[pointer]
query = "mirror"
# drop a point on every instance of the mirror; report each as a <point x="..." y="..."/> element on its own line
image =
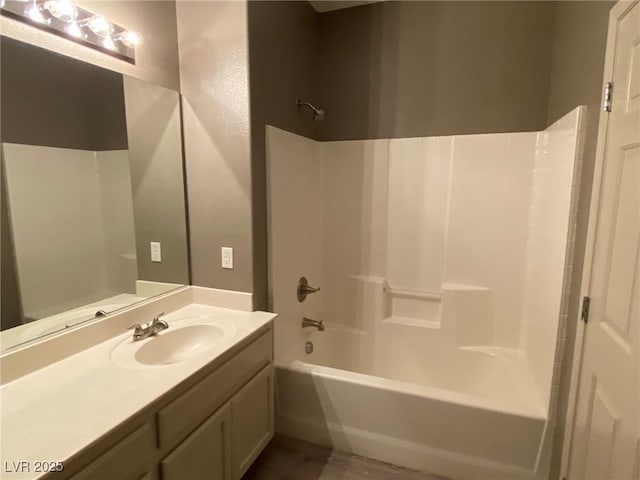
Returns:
<point x="93" y="200"/>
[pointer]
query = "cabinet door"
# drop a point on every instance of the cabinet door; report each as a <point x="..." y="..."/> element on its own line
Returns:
<point x="203" y="455"/>
<point x="252" y="410"/>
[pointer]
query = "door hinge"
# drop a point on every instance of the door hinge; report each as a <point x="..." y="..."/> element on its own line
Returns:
<point x="586" y="303"/>
<point x="608" y="96"/>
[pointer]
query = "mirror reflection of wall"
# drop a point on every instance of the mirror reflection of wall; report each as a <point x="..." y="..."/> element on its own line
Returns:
<point x="91" y="175"/>
<point x="155" y="150"/>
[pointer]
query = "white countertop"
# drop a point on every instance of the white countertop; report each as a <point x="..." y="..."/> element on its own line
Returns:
<point x="57" y="411"/>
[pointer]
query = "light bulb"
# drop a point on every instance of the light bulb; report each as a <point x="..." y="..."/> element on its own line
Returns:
<point x="107" y="42"/>
<point x="100" y="26"/>
<point x="35" y="14"/>
<point x="130" y="38"/>
<point x="74" y="30"/>
<point x="64" y="10"/>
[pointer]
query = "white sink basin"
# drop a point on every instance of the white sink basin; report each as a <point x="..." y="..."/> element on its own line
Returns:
<point x="176" y="346"/>
<point x="184" y="340"/>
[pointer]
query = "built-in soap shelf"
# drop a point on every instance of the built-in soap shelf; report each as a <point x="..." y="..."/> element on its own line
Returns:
<point x="460" y="313"/>
<point x="412" y="308"/>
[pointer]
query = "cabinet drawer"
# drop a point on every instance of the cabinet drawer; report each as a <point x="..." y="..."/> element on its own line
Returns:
<point x="127" y="460"/>
<point x="181" y="416"/>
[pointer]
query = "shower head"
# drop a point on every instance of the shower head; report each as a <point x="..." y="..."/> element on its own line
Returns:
<point x="318" y="113"/>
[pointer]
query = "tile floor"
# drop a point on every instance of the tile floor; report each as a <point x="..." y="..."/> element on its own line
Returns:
<point x="290" y="459"/>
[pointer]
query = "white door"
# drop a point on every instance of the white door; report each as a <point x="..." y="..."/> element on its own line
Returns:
<point x="606" y="435"/>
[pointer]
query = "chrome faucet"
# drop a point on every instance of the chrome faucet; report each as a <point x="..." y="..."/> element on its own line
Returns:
<point x="307" y="322"/>
<point x="151" y="329"/>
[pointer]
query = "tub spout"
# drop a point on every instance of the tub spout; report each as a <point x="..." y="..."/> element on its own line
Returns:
<point x="307" y="322"/>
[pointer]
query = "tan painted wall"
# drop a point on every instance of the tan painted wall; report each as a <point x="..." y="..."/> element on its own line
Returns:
<point x="36" y="86"/>
<point x="407" y="68"/>
<point x="283" y="59"/>
<point x="157" y="183"/>
<point x="576" y="79"/>
<point x="214" y="76"/>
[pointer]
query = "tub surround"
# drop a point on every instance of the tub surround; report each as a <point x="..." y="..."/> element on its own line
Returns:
<point x="89" y="193"/>
<point x="443" y="267"/>
<point x="56" y="411"/>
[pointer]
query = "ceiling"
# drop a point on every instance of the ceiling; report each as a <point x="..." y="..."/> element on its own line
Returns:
<point x="328" y="5"/>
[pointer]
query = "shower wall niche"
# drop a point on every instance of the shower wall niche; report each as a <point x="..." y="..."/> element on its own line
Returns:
<point x="455" y="240"/>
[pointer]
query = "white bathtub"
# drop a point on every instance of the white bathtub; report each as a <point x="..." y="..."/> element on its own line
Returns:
<point x="465" y="412"/>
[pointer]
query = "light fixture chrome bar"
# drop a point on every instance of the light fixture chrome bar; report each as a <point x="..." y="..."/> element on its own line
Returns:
<point x="65" y="19"/>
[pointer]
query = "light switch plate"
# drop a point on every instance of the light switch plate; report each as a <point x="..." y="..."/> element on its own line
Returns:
<point x="227" y="257"/>
<point x="156" y="252"/>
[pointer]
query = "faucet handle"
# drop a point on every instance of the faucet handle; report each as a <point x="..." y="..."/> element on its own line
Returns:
<point x="156" y="319"/>
<point x="305" y="289"/>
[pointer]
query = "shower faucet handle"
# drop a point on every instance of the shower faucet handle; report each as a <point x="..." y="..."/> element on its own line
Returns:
<point x="305" y="289"/>
<point x="309" y="289"/>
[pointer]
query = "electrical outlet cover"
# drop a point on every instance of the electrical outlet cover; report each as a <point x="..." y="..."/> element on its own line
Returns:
<point x="227" y="257"/>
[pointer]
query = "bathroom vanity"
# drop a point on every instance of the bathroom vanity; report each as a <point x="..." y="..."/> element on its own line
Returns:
<point x="195" y="401"/>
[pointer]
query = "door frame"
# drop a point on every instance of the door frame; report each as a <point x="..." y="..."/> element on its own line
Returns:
<point x="616" y="12"/>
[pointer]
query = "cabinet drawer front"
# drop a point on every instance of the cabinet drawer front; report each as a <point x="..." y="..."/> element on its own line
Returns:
<point x="185" y="413"/>
<point x="205" y="454"/>
<point x="127" y="460"/>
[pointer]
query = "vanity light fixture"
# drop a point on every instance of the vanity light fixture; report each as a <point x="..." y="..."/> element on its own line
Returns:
<point x="129" y="38"/>
<point x="64" y="10"/>
<point x="74" y="30"/>
<point x="35" y="14"/>
<point x="99" y="25"/>
<point x="107" y="42"/>
<point x="65" y="18"/>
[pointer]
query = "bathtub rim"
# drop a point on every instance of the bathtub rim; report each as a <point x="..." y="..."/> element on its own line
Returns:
<point x="406" y="388"/>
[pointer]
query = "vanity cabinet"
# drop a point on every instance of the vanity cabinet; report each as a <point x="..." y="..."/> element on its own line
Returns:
<point x="213" y="427"/>
<point x="227" y="443"/>
<point x="127" y="460"/>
